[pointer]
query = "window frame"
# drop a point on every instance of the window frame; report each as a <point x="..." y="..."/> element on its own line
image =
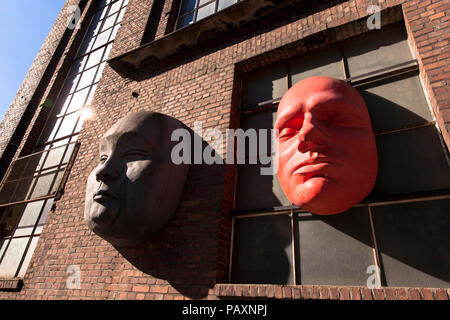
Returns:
<point x="409" y="67"/>
<point x="194" y="11"/>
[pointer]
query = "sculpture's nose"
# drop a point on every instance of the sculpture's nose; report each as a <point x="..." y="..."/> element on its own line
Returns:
<point x="312" y="134"/>
<point x="107" y="171"/>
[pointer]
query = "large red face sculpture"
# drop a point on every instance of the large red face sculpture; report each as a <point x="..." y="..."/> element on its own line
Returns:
<point x="326" y="152"/>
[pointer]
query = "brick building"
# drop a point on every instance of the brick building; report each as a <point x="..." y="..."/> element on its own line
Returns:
<point x="226" y="63"/>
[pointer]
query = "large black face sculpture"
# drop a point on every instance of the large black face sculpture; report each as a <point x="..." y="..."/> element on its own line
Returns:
<point x="135" y="189"/>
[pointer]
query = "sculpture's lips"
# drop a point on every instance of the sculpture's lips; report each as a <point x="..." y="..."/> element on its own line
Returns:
<point x="104" y="195"/>
<point x="312" y="167"/>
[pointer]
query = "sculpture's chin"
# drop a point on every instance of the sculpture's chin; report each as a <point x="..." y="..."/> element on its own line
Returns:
<point x="323" y="196"/>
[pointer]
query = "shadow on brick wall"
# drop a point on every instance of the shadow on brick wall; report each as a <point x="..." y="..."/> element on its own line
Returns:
<point x="185" y="252"/>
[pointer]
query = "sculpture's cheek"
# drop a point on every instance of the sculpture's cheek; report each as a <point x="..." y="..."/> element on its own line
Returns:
<point x="91" y="187"/>
<point x="136" y="170"/>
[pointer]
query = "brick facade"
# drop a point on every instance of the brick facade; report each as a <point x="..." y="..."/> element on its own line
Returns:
<point x="189" y="258"/>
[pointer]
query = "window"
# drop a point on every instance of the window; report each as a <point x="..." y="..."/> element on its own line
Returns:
<point x="32" y="182"/>
<point x="192" y="11"/>
<point x="402" y="226"/>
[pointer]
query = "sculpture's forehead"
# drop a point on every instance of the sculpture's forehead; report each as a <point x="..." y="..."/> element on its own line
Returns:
<point x="131" y="133"/>
<point x="139" y="122"/>
<point x="312" y="91"/>
<point x="146" y="125"/>
<point x="311" y="94"/>
<point x="124" y="136"/>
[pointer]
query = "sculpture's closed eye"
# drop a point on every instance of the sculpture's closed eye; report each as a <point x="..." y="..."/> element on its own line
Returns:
<point x="288" y="133"/>
<point x="136" y="155"/>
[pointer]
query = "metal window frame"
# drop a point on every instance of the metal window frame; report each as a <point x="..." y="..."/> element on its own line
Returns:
<point x="66" y="165"/>
<point x="55" y="196"/>
<point x="194" y="11"/>
<point x="294" y="210"/>
<point x="30" y="237"/>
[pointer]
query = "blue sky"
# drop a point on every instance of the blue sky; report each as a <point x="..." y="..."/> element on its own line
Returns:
<point x="24" y="25"/>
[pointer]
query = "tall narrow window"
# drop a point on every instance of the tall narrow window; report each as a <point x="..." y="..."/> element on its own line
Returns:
<point x="29" y="188"/>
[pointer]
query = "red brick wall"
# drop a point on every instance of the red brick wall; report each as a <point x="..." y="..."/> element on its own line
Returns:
<point x="190" y="256"/>
<point x="428" y="23"/>
<point x="132" y="27"/>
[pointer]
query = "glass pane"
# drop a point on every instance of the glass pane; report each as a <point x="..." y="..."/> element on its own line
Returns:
<point x="411" y="161"/>
<point x="69" y="150"/>
<point x="102" y="39"/>
<point x="67" y="125"/>
<point x="65" y="105"/>
<point x="262" y="122"/>
<point x="41" y="185"/>
<point x="53" y="126"/>
<point x="395" y="103"/>
<point x="69" y="86"/>
<point x="225" y="3"/>
<point x="377" y="49"/>
<point x="95" y="58"/>
<point x="78" y="100"/>
<point x="53" y="157"/>
<point x="322" y="62"/>
<point x="9" y="219"/>
<point x="57" y="181"/>
<point x="78" y="65"/>
<point x="22" y="192"/>
<point x="31" y="213"/>
<point x="13" y="255"/>
<point x="3" y="245"/>
<point x="205" y="11"/>
<point x="262" y="251"/>
<point x="75" y="82"/>
<point x="29" y="218"/>
<point x="86" y="46"/>
<point x="188" y="5"/>
<point x="87" y="78"/>
<point x="74" y="138"/>
<point x="114" y="33"/>
<point x="91" y="95"/>
<point x="115" y="7"/>
<point x="414" y="243"/>
<point x="7" y="192"/>
<point x="256" y="191"/>
<point x="27" y="259"/>
<point x="44" y="215"/>
<point x="26" y="166"/>
<point x="264" y="84"/>
<point x="185" y="20"/>
<point x="109" y="22"/>
<point x="100" y="14"/>
<point x="100" y="72"/>
<point x="334" y="250"/>
<point x="108" y="50"/>
<point x="120" y="18"/>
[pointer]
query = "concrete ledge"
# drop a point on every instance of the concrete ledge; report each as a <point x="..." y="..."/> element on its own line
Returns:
<point x="209" y="28"/>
